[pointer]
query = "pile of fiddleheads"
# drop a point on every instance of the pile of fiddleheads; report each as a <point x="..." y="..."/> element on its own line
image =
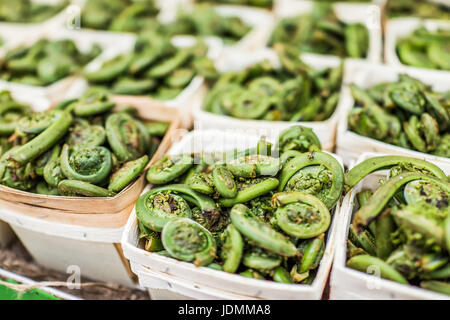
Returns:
<point x="155" y="67"/>
<point x="425" y="49"/>
<point x="28" y="11"/>
<point x="80" y="148"/>
<point x="403" y="227"/>
<point x="120" y="15"/>
<point x="45" y="62"/>
<point x="421" y="9"/>
<point x="253" y="3"/>
<point x="406" y="113"/>
<point x="203" y="20"/>
<point x="322" y="32"/>
<point x="262" y="212"/>
<point x="293" y="92"/>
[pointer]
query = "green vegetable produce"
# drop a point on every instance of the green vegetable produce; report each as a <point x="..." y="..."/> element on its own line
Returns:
<point x="155" y="67"/>
<point x="421" y="9"/>
<point x="425" y="49"/>
<point x="45" y="62"/>
<point x="28" y="11"/>
<point x="294" y="92"/>
<point x="322" y="32"/>
<point x="94" y="153"/>
<point x="406" y="113"/>
<point x="223" y="211"/>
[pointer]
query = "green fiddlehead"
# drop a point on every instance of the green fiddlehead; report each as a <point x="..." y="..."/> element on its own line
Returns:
<point x="151" y="217"/>
<point x="383" y="194"/>
<point x="363" y="262"/>
<point x="46" y="139"/>
<point x="224" y="182"/>
<point x="358" y="172"/>
<point x="155" y="209"/>
<point x="260" y="233"/>
<point x="232" y="248"/>
<point x="127" y="137"/>
<point x="93" y="102"/>
<point x="254" y="165"/>
<point x="298" y="138"/>
<point x="127" y="173"/>
<point x="169" y="168"/>
<point x="81" y="188"/>
<point x="261" y="260"/>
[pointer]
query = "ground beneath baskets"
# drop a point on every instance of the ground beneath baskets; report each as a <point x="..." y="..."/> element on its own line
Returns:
<point x="16" y="259"/>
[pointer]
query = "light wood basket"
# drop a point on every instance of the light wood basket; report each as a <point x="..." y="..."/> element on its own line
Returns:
<point x="109" y="212"/>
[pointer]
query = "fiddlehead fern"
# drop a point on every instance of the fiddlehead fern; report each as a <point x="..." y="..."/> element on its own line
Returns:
<point x="261" y="260"/>
<point x="81" y="188"/>
<point x="10" y="113"/>
<point x="406" y="113"/>
<point x="224" y="182"/>
<point x="232" y="248"/>
<point x="358" y="172"/>
<point x="260" y="233"/>
<point x="326" y="181"/>
<point x="254" y="165"/>
<point x="46" y="139"/>
<point x="156" y="218"/>
<point x="89" y="164"/>
<point x="252" y="227"/>
<point x="127" y="173"/>
<point x="127" y="137"/>
<point x="157" y="208"/>
<point x="249" y="189"/>
<point x="84" y="134"/>
<point x="93" y="102"/>
<point x="169" y="168"/>
<point x="301" y="215"/>
<point x="34" y="149"/>
<point x="383" y="194"/>
<point x="298" y="138"/>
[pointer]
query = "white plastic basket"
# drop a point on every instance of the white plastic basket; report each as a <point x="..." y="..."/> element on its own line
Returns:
<point x="7" y="275"/>
<point x="349" y="284"/>
<point x="163" y="273"/>
<point x="325" y="130"/>
<point x="186" y="99"/>
<point x="365" y="13"/>
<point x="402" y="27"/>
<point x="45" y="96"/>
<point x="351" y="145"/>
